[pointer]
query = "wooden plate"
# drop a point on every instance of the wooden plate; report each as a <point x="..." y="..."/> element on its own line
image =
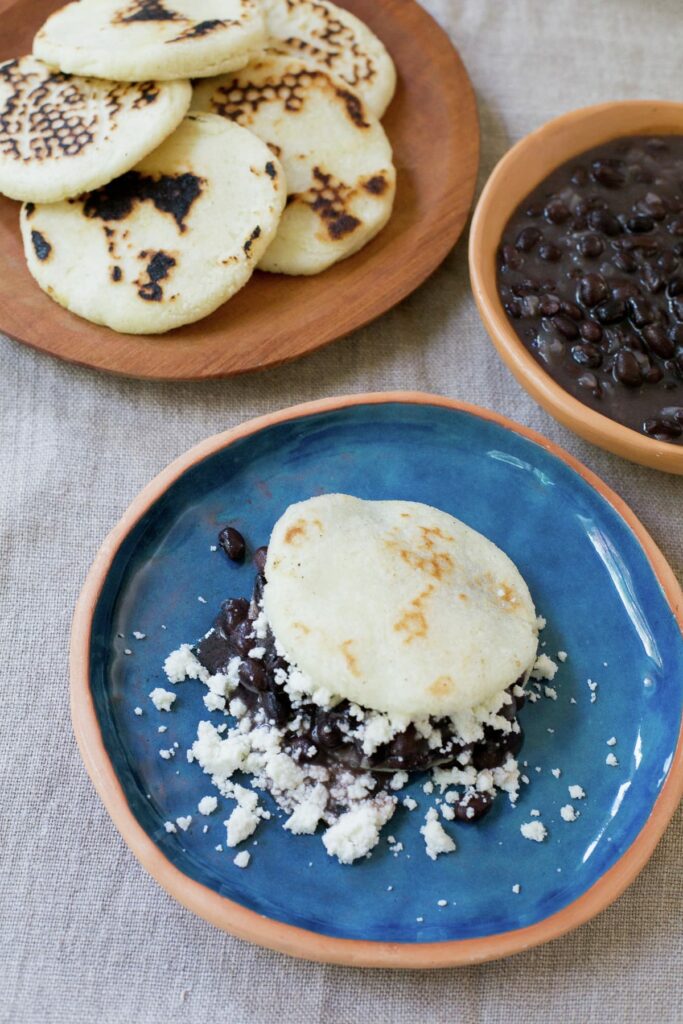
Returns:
<point x="432" y="124"/>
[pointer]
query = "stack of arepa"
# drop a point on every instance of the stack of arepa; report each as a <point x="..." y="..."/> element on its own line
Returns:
<point x="163" y="149"/>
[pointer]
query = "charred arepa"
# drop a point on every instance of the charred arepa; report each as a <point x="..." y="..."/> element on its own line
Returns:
<point x="132" y="40"/>
<point x="61" y="135"/>
<point x="396" y="606"/>
<point x="336" y="157"/>
<point x="335" y="40"/>
<point x="169" y="241"/>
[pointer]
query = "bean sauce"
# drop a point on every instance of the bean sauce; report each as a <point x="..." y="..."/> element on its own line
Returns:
<point x="590" y="272"/>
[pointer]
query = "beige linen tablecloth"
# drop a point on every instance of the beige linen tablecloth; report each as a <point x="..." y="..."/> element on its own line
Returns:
<point x="86" y="935"/>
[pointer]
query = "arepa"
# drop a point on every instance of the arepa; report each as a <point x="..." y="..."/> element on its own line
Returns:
<point x="396" y="606"/>
<point x="336" y="41"/>
<point x="61" y="135"/>
<point x="132" y="40"/>
<point x="336" y="157"/>
<point x="168" y="242"/>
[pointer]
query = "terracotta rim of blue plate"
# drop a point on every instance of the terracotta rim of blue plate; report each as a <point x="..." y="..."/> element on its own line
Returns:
<point x="246" y="924"/>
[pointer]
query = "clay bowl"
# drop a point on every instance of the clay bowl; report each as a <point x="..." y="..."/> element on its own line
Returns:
<point x="520" y="171"/>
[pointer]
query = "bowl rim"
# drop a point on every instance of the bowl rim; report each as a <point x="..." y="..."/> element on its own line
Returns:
<point x="290" y="939"/>
<point x="593" y="426"/>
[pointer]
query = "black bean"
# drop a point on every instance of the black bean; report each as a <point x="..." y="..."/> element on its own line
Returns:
<point x="608" y="172"/>
<point x="241" y="638"/>
<point x="233" y="611"/>
<point x="556" y="211"/>
<point x="579" y="176"/>
<point x="652" y="280"/>
<point x="260" y="556"/>
<point x="675" y="286"/>
<point x="513" y="308"/>
<point x="473" y="807"/>
<point x="277" y="707"/>
<point x="591" y="383"/>
<point x="627" y="369"/>
<point x="534" y="210"/>
<point x="252" y="675"/>
<point x="572" y="310"/>
<point x="640" y="224"/>
<point x="549" y="252"/>
<point x="625" y="262"/>
<point x="591" y="331"/>
<point x="676" y="334"/>
<point x="640" y="311"/>
<point x="590" y="246"/>
<point x="659" y="341"/>
<point x="610" y="311"/>
<point x="653" y="375"/>
<point x="587" y="355"/>
<point x="624" y="290"/>
<point x="509" y="258"/>
<point x="662" y="428"/>
<point x="592" y="289"/>
<point x="675" y="226"/>
<point x="232" y="542"/>
<point x="527" y="239"/>
<point x="677" y="307"/>
<point x="667" y="262"/>
<point x="566" y="327"/>
<point x="548" y="305"/>
<point x="524" y="287"/>
<point x="603" y="220"/>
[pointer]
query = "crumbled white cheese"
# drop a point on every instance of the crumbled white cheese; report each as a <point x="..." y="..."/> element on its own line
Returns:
<point x="138" y="635"/>
<point x="436" y="838"/>
<point x="357" y="831"/>
<point x="137" y="711"/>
<point x="257" y="653"/>
<point x="399" y="780"/>
<point x="428" y="787"/>
<point x="182" y="664"/>
<point x="207" y="805"/>
<point x="448" y="812"/>
<point x="442" y="903"/>
<point x="576" y="792"/>
<point x="167" y="754"/>
<point x="162" y="699"/>
<point x="535" y="813"/>
<point x="562" y="655"/>
<point x="568" y="813"/>
<point x="242" y="859"/>
<point x="306" y="816"/>
<point x="170" y="827"/>
<point x="544" y="668"/>
<point x="612" y="742"/>
<point x="556" y="772"/>
<point x="534" y="830"/>
<point x="409" y="803"/>
<point x="184" y="823"/>
<point x="162" y="728"/>
<point x="202" y="600"/>
<point x="127" y="650"/>
<point x="516" y="888"/>
<point x="611" y="760"/>
<point x="550" y="692"/>
<point x="541" y="623"/>
<point x="240" y="825"/>
<point x="214" y="702"/>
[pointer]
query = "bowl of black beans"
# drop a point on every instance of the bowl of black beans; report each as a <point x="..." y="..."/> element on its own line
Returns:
<point x="576" y="262"/>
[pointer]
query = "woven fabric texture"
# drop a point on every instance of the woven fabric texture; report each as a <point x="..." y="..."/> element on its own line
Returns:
<point x="85" y="935"/>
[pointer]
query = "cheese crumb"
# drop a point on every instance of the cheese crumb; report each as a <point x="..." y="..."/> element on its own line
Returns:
<point x="442" y="903"/>
<point x="138" y="635"/>
<point x="550" y="692"/>
<point x="409" y="803"/>
<point x="556" y="772"/>
<point x="127" y="650"/>
<point x="436" y="838"/>
<point x="568" y="813"/>
<point x="612" y="742"/>
<point x="240" y="825"/>
<point x="242" y="859"/>
<point x="535" y="813"/>
<point x="170" y="827"/>
<point x="167" y="754"/>
<point x="544" y="668"/>
<point x="137" y="711"/>
<point x="184" y="823"/>
<point x="611" y="760"/>
<point x="516" y="888"/>
<point x="576" y="792"/>
<point x="562" y="655"/>
<point x="162" y="699"/>
<point x="207" y="805"/>
<point x="356" y="832"/>
<point x="534" y="830"/>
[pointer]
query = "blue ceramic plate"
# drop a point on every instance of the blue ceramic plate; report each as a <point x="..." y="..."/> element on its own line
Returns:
<point x="589" y="575"/>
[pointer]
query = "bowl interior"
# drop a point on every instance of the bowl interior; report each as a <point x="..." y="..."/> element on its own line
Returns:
<point x="520" y="171"/>
<point x="588" y="575"/>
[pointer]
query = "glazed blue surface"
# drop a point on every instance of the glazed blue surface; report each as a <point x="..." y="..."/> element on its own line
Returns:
<point x="587" y="575"/>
